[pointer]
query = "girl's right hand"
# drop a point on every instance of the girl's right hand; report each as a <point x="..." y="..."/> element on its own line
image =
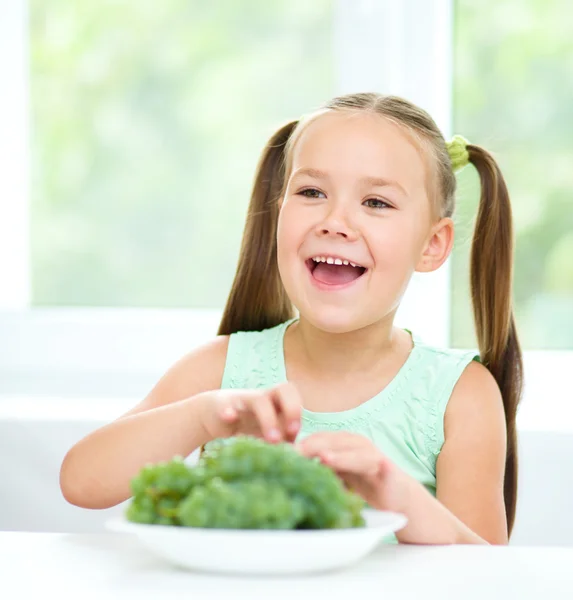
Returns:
<point x="273" y="414"/>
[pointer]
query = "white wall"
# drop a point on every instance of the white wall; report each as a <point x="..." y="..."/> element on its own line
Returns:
<point x="545" y="497"/>
<point x="34" y="440"/>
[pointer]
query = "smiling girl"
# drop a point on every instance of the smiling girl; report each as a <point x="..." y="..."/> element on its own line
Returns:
<point x="348" y="203"/>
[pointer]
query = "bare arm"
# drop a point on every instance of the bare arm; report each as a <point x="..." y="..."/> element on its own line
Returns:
<point x="96" y="471"/>
<point x="471" y="465"/>
<point x="469" y="506"/>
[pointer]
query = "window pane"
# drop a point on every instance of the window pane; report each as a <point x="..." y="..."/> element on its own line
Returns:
<point x="148" y="120"/>
<point x="513" y="95"/>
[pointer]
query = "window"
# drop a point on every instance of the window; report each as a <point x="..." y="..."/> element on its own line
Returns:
<point x="147" y="120"/>
<point x="513" y="84"/>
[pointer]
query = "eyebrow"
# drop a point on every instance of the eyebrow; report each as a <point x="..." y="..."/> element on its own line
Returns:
<point x="373" y="181"/>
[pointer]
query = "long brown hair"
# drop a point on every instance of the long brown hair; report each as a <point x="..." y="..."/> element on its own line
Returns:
<point x="491" y="275"/>
<point x="258" y="299"/>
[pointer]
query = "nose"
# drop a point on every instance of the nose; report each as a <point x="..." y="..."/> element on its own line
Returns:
<point x="335" y="224"/>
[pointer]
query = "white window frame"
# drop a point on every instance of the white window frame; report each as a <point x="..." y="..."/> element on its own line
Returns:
<point x="403" y="48"/>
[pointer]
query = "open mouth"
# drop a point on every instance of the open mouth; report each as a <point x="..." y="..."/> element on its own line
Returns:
<point x="334" y="271"/>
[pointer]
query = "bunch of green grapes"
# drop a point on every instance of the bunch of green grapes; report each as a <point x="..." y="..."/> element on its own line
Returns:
<point x="245" y="483"/>
<point x="158" y="490"/>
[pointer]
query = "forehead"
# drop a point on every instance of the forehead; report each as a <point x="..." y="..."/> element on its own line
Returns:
<point x="360" y="144"/>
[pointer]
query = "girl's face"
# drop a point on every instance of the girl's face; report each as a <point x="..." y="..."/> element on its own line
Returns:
<point x="356" y="195"/>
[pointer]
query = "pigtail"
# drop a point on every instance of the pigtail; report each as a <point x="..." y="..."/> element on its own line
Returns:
<point x="258" y="299"/>
<point x="491" y="287"/>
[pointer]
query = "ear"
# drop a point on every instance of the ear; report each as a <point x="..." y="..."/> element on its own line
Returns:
<point x="438" y="246"/>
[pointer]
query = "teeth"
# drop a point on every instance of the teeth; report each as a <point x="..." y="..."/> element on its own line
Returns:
<point x="333" y="261"/>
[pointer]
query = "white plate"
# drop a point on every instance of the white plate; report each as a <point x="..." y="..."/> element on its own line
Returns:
<point x="241" y="551"/>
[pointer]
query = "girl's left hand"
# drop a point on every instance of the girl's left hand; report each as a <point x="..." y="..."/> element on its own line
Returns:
<point x="362" y="467"/>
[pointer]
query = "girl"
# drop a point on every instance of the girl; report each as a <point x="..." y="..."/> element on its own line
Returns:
<point x="347" y="204"/>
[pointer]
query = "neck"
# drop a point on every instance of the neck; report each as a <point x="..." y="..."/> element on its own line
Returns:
<point x="358" y="351"/>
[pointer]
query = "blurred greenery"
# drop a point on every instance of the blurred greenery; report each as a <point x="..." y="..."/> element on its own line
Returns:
<point x="513" y="73"/>
<point x="148" y="119"/>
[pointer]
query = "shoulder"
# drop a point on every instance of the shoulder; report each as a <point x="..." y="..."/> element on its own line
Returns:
<point x="436" y="377"/>
<point x="465" y="388"/>
<point x="202" y="367"/>
<point x="208" y="366"/>
<point x="441" y="369"/>
<point x="476" y="405"/>
<point x="253" y="341"/>
<point x="477" y="381"/>
<point x="254" y="358"/>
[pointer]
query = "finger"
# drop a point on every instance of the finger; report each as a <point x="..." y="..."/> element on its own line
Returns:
<point x="356" y="461"/>
<point x="228" y="413"/>
<point x="239" y="403"/>
<point x="262" y="406"/>
<point x="288" y="402"/>
<point x="352" y="482"/>
<point x="230" y="409"/>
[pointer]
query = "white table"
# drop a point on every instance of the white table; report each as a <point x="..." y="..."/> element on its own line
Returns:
<point x="114" y="566"/>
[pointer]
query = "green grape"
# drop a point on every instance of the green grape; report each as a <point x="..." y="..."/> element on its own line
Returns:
<point x="172" y="476"/>
<point x="157" y="491"/>
<point x="256" y="504"/>
<point x="355" y="505"/>
<point x="140" y="514"/>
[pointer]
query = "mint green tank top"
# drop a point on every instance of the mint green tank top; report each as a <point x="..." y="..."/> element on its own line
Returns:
<point x="405" y="420"/>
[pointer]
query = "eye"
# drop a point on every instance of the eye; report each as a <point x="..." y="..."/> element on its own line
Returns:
<point x="376" y="203"/>
<point x="310" y="193"/>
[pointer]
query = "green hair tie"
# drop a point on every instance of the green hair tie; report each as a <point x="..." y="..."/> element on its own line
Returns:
<point x="458" y="151"/>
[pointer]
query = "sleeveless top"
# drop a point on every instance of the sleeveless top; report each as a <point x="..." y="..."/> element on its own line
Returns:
<point x="405" y="420"/>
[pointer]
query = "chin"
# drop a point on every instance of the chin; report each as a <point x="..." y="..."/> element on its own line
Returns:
<point x="335" y="320"/>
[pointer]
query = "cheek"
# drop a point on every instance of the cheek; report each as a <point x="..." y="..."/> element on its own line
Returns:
<point x="397" y="246"/>
<point x="392" y="242"/>
<point x="287" y="234"/>
<point x="290" y="225"/>
<point x="288" y="243"/>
